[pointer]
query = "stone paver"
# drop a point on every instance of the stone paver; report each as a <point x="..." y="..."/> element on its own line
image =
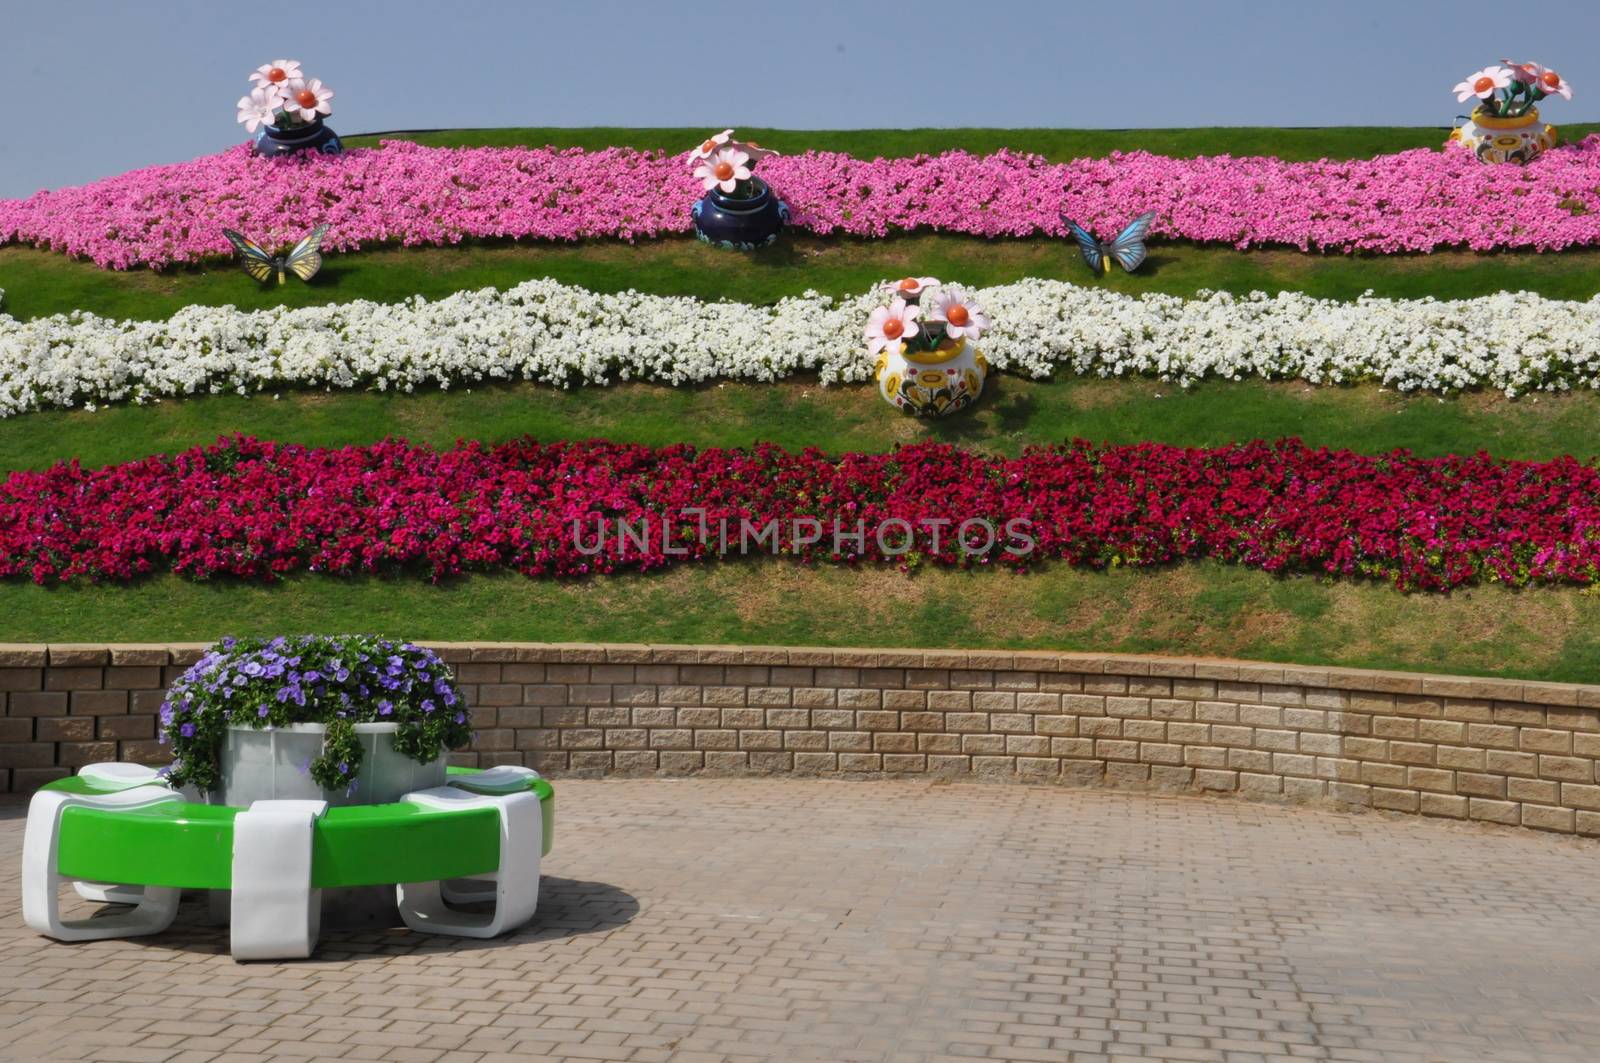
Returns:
<point x="785" y="919"/>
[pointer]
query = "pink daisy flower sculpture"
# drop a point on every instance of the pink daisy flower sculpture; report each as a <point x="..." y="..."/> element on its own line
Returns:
<point x="909" y="287"/>
<point x="1483" y="84"/>
<point x="960" y="315"/>
<point x="891" y="325"/>
<point x="276" y="74"/>
<point x="724" y="170"/>
<point x="308" y="100"/>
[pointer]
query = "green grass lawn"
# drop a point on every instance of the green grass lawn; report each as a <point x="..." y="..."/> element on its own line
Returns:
<point x="1200" y="609"/>
<point x="1013" y="413"/>
<point x="38" y="283"/>
<point x="1059" y="145"/>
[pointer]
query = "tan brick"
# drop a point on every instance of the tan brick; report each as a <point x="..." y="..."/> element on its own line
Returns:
<point x="1544" y="817"/>
<point x="894" y="742"/>
<point x="1412" y="752"/>
<point x="1027" y="746"/>
<point x="816" y="762"/>
<point x="1523" y="715"/>
<point x="1350" y="793"/>
<point x="1443" y="805"/>
<point x="1461" y="757"/>
<point x="1494" y="811"/>
<point x="1576" y="795"/>
<point x="1505" y="762"/>
<point x="1144" y="730"/>
<point x="1539" y="791"/>
<point x="1205" y="756"/>
<point x="1208" y="779"/>
<point x="1077" y="748"/>
<point x="1568" y="769"/>
<point x="1366" y="748"/>
<point x="904" y="700"/>
<point x="1253" y="782"/>
<point x="1261" y="716"/>
<point x="1495" y="736"/>
<point x="1396" y="800"/>
<point x="1376" y="774"/>
<point x="1480" y="785"/>
<point x="1435" y="779"/>
<point x="1160" y="753"/>
<point x="860" y="762"/>
<point x="1252" y="760"/>
<point x="1544" y="741"/>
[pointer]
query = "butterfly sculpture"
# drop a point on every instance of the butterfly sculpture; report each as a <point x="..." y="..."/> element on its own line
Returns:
<point x="1128" y="248"/>
<point x="303" y="261"/>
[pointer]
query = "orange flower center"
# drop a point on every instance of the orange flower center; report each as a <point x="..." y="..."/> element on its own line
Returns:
<point x="957" y="315"/>
<point x="1483" y="85"/>
<point x="277" y="74"/>
<point x="723" y="171"/>
<point x="708" y="147"/>
<point x="907" y="284"/>
<point x="894" y="328"/>
<point x="306" y="98"/>
<point x="1551" y="79"/>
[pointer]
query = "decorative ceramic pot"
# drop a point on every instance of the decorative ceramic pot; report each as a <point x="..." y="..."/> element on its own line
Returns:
<point x="314" y="136"/>
<point x="1495" y="139"/>
<point x="740" y="224"/>
<point x="932" y="383"/>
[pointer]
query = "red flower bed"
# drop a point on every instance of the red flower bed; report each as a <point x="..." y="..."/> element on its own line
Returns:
<point x="257" y="509"/>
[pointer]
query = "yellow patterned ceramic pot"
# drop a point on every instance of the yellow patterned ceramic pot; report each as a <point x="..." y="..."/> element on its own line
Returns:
<point x="1494" y="139"/>
<point x="932" y="383"/>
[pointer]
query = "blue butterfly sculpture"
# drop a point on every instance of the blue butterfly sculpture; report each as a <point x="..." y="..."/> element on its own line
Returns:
<point x="1128" y="248"/>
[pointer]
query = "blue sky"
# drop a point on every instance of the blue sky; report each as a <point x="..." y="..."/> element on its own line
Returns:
<point x="102" y="87"/>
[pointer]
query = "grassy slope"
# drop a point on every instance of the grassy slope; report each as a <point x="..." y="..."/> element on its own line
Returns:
<point x="1203" y="608"/>
<point x="1347" y="142"/>
<point x="38" y="283"/>
<point x="1199" y="608"/>
<point x="1014" y="412"/>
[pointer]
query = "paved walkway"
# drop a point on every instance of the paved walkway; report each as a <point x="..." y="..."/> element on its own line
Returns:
<point x="821" y="920"/>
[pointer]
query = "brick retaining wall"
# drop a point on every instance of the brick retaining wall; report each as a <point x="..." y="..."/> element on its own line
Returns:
<point x="1505" y="751"/>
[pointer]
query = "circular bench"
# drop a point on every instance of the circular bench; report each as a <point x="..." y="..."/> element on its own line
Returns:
<point x="110" y="824"/>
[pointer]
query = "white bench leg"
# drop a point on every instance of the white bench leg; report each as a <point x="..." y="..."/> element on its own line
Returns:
<point x="501" y="779"/>
<point x="155" y="907"/>
<point x="516" y="883"/>
<point x="108" y="892"/>
<point x="275" y="914"/>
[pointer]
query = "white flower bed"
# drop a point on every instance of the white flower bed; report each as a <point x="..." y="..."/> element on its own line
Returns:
<point x="554" y="333"/>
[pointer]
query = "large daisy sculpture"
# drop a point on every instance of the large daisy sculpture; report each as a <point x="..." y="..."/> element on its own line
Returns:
<point x="281" y="104"/>
<point x="737" y="210"/>
<point x="1504" y="125"/>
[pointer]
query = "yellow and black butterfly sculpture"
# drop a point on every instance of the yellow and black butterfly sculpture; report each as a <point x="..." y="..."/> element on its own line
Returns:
<point x="303" y="261"/>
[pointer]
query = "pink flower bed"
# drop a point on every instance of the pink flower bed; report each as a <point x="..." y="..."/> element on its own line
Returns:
<point x="1410" y="201"/>
<point x="258" y="510"/>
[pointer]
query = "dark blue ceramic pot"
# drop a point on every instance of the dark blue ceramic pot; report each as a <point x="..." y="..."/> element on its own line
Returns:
<point x="740" y="224"/>
<point x="270" y="140"/>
